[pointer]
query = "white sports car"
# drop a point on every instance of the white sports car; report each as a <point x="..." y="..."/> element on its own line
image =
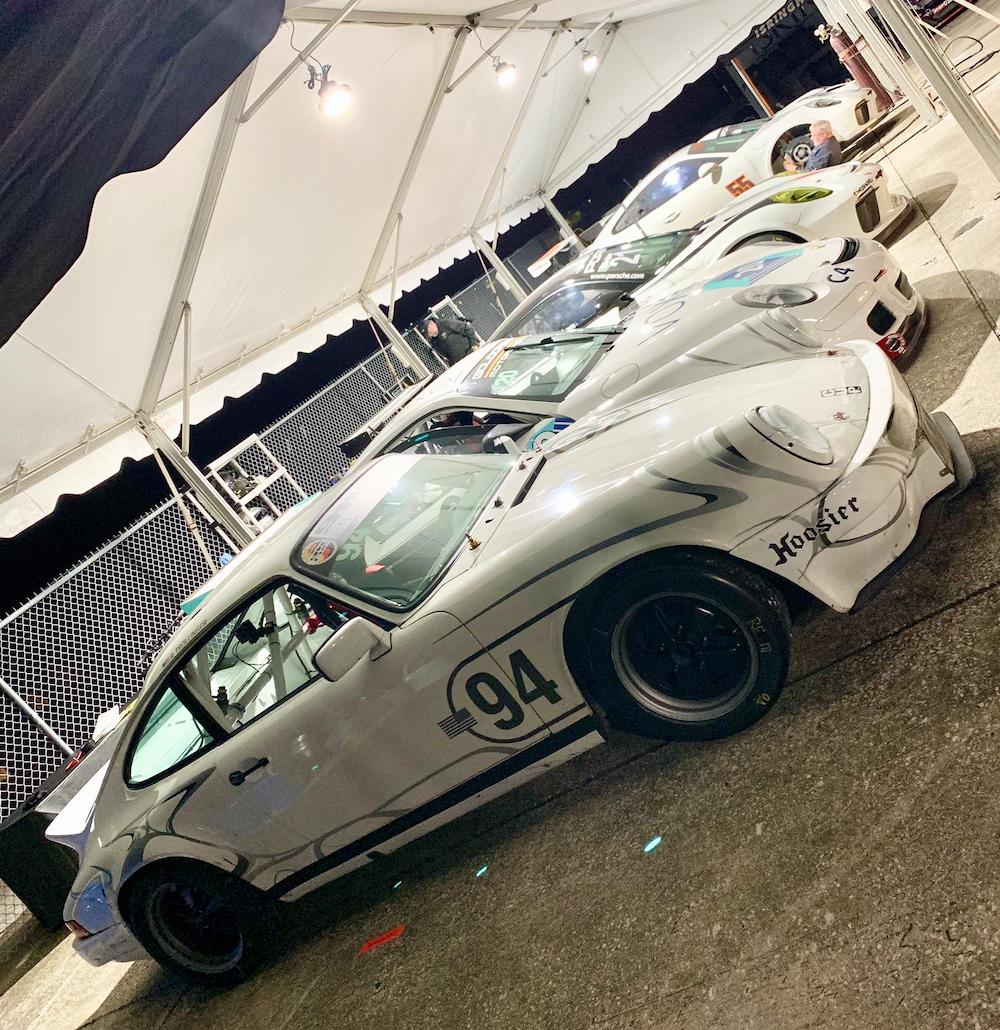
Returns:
<point x="435" y="630"/>
<point x="699" y="180"/>
<point x="637" y="344"/>
<point x="848" y="200"/>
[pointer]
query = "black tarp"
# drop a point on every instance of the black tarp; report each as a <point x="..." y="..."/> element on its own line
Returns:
<point x="92" y="89"/>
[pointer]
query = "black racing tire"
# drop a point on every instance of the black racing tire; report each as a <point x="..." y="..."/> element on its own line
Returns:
<point x="198" y="921"/>
<point x="685" y="647"/>
<point x="777" y="236"/>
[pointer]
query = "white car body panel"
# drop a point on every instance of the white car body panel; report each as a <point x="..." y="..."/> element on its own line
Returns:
<point x="400" y="744"/>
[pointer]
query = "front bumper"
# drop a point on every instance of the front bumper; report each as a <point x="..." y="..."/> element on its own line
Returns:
<point x="115" y="944"/>
<point x="900" y="212"/>
<point x="944" y="437"/>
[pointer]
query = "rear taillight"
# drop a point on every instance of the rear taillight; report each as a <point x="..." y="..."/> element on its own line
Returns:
<point x="78" y="931"/>
<point x="894" y="345"/>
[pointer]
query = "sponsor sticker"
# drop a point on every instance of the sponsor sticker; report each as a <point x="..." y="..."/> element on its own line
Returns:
<point x="841" y="391"/>
<point x="831" y="516"/>
<point x="752" y="271"/>
<point x="317" y="552"/>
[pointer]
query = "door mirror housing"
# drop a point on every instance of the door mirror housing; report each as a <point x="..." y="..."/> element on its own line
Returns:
<point x="352" y="642"/>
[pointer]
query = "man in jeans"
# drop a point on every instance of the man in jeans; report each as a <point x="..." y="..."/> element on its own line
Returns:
<point x="825" y="150"/>
<point x="451" y="338"/>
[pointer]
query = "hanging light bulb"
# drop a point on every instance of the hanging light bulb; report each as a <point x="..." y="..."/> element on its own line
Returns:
<point x="589" y="62"/>
<point x="334" y="97"/>
<point x="505" y="73"/>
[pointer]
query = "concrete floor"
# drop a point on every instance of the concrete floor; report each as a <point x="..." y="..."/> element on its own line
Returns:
<point x="836" y="866"/>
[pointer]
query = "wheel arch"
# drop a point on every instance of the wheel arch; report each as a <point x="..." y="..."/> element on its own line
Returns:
<point x="799" y="600"/>
<point x="158" y="865"/>
<point x="787" y="237"/>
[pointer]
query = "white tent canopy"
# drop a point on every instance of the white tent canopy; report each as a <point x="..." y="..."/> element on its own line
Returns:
<point x="271" y="220"/>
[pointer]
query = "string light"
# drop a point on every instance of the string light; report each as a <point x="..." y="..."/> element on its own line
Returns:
<point x="505" y="73"/>
<point x="334" y="97"/>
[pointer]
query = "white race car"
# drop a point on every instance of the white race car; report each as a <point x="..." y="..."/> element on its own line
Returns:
<point x="435" y="630"/>
<point x="848" y="200"/>
<point x="699" y="180"/>
<point x="634" y="343"/>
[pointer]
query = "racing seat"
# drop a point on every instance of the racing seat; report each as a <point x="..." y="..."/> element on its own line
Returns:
<point x="511" y="429"/>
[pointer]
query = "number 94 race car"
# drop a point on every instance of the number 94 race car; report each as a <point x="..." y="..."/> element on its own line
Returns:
<point x="437" y="629"/>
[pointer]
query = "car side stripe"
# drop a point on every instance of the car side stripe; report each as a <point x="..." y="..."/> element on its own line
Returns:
<point x="462" y="792"/>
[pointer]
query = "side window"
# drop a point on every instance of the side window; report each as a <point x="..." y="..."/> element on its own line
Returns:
<point x="171" y="734"/>
<point x="261" y="654"/>
<point x="454" y="431"/>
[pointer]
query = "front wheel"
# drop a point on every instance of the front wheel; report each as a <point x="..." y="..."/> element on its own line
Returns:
<point x="197" y="921"/>
<point x="686" y="648"/>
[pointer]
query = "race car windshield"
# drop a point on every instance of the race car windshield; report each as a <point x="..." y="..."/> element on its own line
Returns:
<point x="589" y="294"/>
<point x="391" y="534"/>
<point x="546" y="370"/>
<point x="665" y="186"/>
<point x="728" y="139"/>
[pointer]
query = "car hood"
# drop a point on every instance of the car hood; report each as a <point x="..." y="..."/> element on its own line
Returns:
<point x="598" y="467"/>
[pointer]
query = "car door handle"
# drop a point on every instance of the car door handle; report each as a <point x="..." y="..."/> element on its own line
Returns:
<point x="239" y="775"/>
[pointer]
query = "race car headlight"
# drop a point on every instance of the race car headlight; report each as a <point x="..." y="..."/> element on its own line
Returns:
<point x="777" y="296"/>
<point x="791" y="433"/>
<point x="800" y="195"/>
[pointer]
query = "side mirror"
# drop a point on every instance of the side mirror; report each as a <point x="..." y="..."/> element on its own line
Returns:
<point x="348" y="646"/>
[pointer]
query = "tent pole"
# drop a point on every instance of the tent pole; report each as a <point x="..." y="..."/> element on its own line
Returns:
<point x="413" y="161"/>
<point x="972" y="118"/>
<point x="186" y="515"/>
<point x="490" y="50"/>
<point x="186" y="394"/>
<point x="214" y="502"/>
<point x="366" y="17"/>
<point x="210" y="188"/>
<point x="298" y="62"/>
<point x="515" y="131"/>
<point x="34" y="717"/>
<point x="581" y="103"/>
<point x="856" y="19"/>
<point x="564" y="227"/>
<point x="494" y="259"/>
<point x="398" y="341"/>
<point x="395" y="266"/>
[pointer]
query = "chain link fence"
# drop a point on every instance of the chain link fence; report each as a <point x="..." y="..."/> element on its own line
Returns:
<point x="82" y="645"/>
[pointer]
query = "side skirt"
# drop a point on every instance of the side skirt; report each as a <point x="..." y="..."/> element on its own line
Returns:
<point x="448" y="804"/>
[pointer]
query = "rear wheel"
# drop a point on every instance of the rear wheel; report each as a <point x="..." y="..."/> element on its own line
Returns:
<point x="198" y="921"/>
<point x="686" y="648"/>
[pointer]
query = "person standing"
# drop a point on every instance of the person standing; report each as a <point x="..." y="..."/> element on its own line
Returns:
<point x="825" y="152"/>
<point x="451" y="338"/>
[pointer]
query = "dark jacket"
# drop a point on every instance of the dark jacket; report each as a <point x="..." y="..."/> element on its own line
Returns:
<point x="825" y="155"/>
<point x="454" y="340"/>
